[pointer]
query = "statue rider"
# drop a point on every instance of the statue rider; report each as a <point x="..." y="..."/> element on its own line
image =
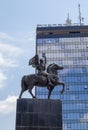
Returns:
<point x="41" y="71"/>
<point x="40" y="65"/>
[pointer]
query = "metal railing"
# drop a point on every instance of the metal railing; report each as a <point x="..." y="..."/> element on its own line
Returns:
<point x="59" y="25"/>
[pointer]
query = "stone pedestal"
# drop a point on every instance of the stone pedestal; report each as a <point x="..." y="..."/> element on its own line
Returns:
<point x="38" y="114"/>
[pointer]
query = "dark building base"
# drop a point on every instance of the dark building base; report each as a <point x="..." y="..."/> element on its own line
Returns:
<point x="38" y="114"/>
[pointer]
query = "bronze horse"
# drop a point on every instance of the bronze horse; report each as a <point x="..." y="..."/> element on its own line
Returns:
<point x="29" y="81"/>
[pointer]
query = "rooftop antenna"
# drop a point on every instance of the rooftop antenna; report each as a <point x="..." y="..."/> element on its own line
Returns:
<point x="81" y="19"/>
<point x="79" y="14"/>
<point x="68" y="21"/>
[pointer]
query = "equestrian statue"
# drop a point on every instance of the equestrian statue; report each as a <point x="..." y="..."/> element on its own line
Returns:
<point x="44" y="77"/>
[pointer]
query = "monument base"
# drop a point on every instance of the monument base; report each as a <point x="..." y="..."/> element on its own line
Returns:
<point x="38" y="114"/>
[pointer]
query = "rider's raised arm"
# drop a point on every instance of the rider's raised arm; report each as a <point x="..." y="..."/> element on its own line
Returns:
<point x="44" y="57"/>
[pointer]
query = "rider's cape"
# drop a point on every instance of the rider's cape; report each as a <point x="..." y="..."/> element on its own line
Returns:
<point x="34" y="61"/>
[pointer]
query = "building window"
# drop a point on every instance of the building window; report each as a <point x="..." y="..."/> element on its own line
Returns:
<point x="68" y="125"/>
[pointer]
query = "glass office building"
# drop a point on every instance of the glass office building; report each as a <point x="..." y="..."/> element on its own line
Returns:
<point x="67" y="46"/>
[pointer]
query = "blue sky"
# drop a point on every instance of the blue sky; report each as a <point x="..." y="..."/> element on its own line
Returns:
<point x="18" y="21"/>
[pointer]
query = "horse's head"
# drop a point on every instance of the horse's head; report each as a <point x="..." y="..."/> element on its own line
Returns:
<point x="57" y="67"/>
<point x="52" y="68"/>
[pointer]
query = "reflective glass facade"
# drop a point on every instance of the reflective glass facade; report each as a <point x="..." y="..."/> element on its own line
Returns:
<point x="69" y="48"/>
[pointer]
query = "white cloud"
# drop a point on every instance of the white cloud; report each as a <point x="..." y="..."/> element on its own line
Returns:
<point x="2" y="79"/>
<point x="10" y="49"/>
<point x="5" y="36"/>
<point x="26" y="37"/>
<point x="30" y="36"/>
<point x="9" y="55"/>
<point x="85" y="118"/>
<point x="7" y="62"/>
<point x="8" y="105"/>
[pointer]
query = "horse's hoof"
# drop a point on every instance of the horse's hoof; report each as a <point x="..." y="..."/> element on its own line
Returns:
<point x="19" y="97"/>
<point x="34" y="97"/>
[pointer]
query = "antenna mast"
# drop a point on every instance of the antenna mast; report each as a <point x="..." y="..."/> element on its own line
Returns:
<point x="79" y="14"/>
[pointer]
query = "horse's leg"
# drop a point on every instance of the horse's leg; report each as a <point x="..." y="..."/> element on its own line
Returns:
<point x="49" y="94"/>
<point x="32" y="94"/>
<point x="23" y="87"/>
<point x="30" y="91"/>
<point x="61" y="83"/>
<point x="21" y="94"/>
